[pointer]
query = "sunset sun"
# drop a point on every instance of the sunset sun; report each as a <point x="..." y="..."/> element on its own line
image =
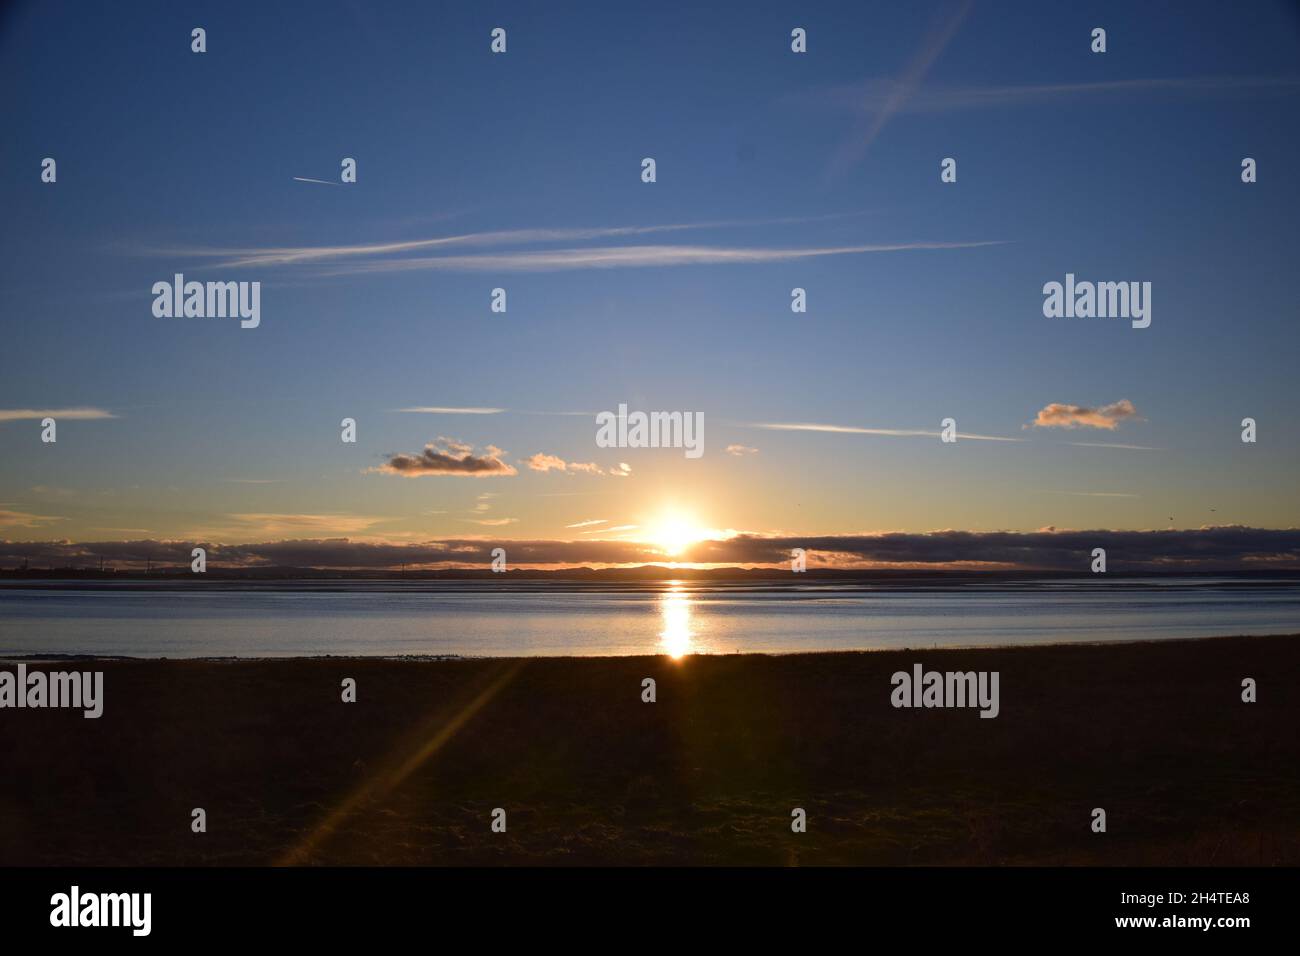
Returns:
<point x="674" y="533"/>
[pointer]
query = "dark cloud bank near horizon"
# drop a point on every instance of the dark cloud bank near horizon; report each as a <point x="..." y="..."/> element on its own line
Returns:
<point x="1232" y="548"/>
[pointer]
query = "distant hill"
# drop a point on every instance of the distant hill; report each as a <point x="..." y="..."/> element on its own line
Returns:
<point x="630" y="575"/>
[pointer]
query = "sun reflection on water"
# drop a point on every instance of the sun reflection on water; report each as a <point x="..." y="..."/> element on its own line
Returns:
<point x="675" y="609"/>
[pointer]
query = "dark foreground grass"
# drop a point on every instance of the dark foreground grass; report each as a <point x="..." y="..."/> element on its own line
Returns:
<point x="1156" y="734"/>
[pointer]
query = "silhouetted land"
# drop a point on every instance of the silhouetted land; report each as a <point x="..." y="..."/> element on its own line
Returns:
<point x="1155" y="733"/>
<point x="650" y="574"/>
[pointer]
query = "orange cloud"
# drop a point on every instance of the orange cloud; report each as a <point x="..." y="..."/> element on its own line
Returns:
<point x="544" y="462"/>
<point x="1108" y="417"/>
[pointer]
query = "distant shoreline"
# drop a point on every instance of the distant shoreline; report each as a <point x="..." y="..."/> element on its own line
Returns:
<point x="436" y="658"/>
<point x="641" y="576"/>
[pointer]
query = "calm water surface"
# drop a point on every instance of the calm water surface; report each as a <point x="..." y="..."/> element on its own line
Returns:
<point x="490" y="619"/>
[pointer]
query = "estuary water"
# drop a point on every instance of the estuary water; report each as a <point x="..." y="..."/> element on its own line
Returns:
<point x="487" y="619"/>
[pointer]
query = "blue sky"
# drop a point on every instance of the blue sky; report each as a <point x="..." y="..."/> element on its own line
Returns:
<point x="1119" y="166"/>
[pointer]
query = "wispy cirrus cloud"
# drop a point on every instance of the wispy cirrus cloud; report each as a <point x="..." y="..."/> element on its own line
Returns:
<point x="402" y="256"/>
<point x="1096" y="494"/>
<point x="23" y="519"/>
<point x="943" y="28"/>
<point x="291" y="523"/>
<point x="287" y="255"/>
<point x="72" y="414"/>
<point x="854" y="430"/>
<point x="302" y="255"/>
<point x="877" y="94"/>
<point x="1107" y="444"/>
<point x="920" y="433"/>
<point x="448" y="410"/>
<point x="633" y="257"/>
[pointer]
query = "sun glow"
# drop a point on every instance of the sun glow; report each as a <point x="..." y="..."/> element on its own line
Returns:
<point x="675" y="533"/>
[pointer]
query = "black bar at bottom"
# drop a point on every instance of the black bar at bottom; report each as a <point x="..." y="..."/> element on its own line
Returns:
<point x="328" y="905"/>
